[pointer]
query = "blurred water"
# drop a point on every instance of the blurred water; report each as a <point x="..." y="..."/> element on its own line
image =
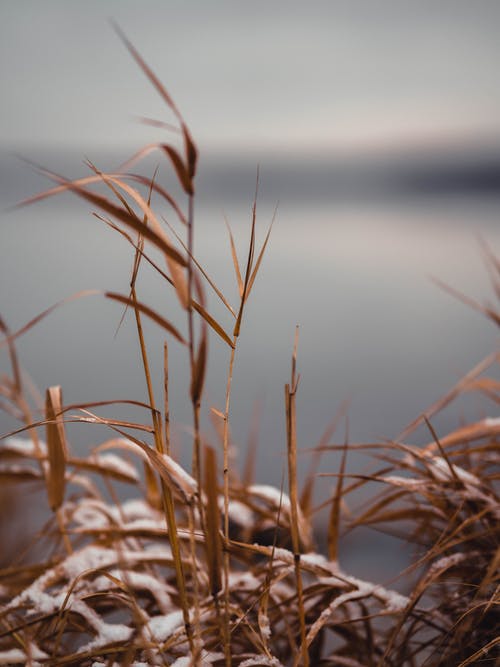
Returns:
<point x="349" y="261"/>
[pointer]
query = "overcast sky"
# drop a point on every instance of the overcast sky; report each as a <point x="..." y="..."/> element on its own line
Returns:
<point x="257" y="75"/>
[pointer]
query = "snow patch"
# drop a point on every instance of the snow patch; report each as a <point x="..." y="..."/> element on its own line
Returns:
<point x="24" y="446"/>
<point x="116" y="464"/>
<point x="162" y="627"/>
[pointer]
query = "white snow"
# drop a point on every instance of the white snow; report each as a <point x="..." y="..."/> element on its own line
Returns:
<point x="162" y="627"/>
<point x="137" y="581"/>
<point x="185" y="483"/>
<point x="243" y="581"/>
<point x="261" y="660"/>
<point x="19" y="469"/>
<point x="116" y="464"/>
<point x="409" y="483"/>
<point x="206" y="659"/>
<point x="264" y="625"/>
<point x="136" y="508"/>
<point x="183" y="662"/>
<point x="271" y="494"/>
<point x="89" y="558"/>
<point x="13" y="657"/>
<point x="239" y="513"/>
<point x="16" y="656"/>
<point x="441" y="471"/>
<point x="109" y="633"/>
<point x="446" y="562"/>
<point x="24" y="446"/>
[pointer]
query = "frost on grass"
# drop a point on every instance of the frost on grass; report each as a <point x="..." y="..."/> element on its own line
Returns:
<point x="19" y="657"/>
<point x="115" y="463"/>
<point x="122" y="562"/>
<point x="23" y="447"/>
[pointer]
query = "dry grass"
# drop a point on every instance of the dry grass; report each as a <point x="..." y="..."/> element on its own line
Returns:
<point x="203" y="568"/>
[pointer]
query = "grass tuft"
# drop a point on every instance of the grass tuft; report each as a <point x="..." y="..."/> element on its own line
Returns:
<point x="202" y="566"/>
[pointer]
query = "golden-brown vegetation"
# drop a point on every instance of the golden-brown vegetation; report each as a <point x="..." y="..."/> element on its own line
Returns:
<point x="204" y="567"/>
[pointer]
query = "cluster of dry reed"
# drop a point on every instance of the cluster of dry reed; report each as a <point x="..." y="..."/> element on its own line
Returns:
<point x="206" y="568"/>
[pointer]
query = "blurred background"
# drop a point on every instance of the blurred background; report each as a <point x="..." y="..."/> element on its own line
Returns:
<point x="376" y="126"/>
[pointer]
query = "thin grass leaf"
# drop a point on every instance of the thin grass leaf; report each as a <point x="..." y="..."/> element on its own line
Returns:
<point x="174" y="266"/>
<point x="157" y="237"/>
<point x="248" y="270"/>
<point x="149" y="312"/>
<point x="190" y="150"/>
<point x="136" y="246"/>
<point x="261" y="255"/>
<point x="56" y="448"/>
<point x="153" y="122"/>
<point x="147" y="71"/>
<point x="200" y="366"/>
<point x="482" y="654"/>
<point x="212" y="323"/>
<point x="212" y="515"/>
<point x="90" y="180"/>
<point x="234" y="255"/>
<point x="484" y="309"/>
<point x="334" y="520"/>
<point x="290" y="411"/>
<point x="201" y="270"/>
<point x="180" y="169"/>
<point x="218" y="413"/>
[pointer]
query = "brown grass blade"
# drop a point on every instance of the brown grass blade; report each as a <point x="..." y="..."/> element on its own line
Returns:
<point x="180" y="169"/>
<point x="153" y="495"/>
<point x="291" y="433"/>
<point x="212" y="323"/>
<point x="234" y="255"/>
<point x="178" y="480"/>
<point x="56" y="448"/>
<point x="166" y="403"/>
<point x="248" y="270"/>
<point x="157" y="237"/>
<point x="212" y="516"/>
<point x="147" y="71"/>
<point x="484" y="309"/>
<point x="261" y="255"/>
<point x="334" y="520"/>
<point x="442" y="452"/>
<point x="174" y="266"/>
<point x="493" y="266"/>
<point x="480" y="655"/>
<point x="90" y="180"/>
<point x="469" y="433"/>
<point x="100" y="404"/>
<point x="101" y="468"/>
<point x="154" y="122"/>
<point x="136" y="246"/>
<point x="149" y="312"/>
<point x="201" y="270"/>
<point x="200" y="366"/>
<point x="190" y="149"/>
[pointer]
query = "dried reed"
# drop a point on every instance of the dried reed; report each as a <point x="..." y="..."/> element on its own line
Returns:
<point x="183" y="572"/>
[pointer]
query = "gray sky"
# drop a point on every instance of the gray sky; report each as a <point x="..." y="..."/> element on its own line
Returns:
<point x="254" y="76"/>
